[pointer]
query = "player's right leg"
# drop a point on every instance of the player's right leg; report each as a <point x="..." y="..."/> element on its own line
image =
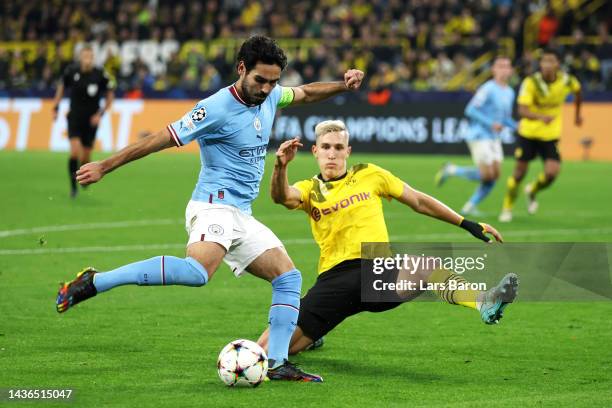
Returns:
<point x="552" y="167"/>
<point x="210" y="236"/>
<point x="203" y="259"/>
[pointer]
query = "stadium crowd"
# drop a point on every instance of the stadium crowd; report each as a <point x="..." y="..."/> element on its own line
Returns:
<point x="403" y="45"/>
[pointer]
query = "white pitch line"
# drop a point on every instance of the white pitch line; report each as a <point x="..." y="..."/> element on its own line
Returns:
<point x="296" y="241"/>
<point x="68" y="250"/>
<point x="111" y="225"/>
<point x="176" y="221"/>
<point x="88" y="226"/>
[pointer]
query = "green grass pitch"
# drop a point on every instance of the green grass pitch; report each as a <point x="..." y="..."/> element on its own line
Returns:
<point x="153" y="347"/>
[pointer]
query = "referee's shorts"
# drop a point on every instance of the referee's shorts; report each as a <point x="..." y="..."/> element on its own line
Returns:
<point x="79" y="126"/>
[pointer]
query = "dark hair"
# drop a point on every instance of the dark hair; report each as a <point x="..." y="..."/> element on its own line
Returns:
<point x="263" y="49"/>
<point x="551" y="51"/>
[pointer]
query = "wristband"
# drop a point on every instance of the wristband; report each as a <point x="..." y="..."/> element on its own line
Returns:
<point x="474" y="228"/>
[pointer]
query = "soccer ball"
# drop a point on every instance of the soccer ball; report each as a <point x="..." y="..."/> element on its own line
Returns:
<point x="242" y="363"/>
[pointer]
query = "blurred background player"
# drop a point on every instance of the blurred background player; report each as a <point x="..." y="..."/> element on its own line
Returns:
<point x="540" y="100"/>
<point x="232" y="128"/>
<point x="88" y="85"/>
<point x="489" y="111"/>
<point x="339" y="232"/>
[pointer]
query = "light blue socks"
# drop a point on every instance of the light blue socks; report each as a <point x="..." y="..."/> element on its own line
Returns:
<point x="160" y="270"/>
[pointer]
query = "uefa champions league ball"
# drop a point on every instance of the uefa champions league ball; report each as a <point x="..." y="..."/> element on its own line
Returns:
<point x="242" y="363"/>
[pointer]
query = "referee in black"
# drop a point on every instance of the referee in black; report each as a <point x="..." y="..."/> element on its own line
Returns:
<point x="88" y="85"/>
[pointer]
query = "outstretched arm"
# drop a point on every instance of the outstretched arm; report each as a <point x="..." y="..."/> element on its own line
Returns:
<point x="317" y="91"/>
<point x="427" y="205"/>
<point x="94" y="171"/>
<point x="280" y="190"/>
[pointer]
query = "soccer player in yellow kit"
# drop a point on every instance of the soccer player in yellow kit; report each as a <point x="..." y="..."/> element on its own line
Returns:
<point x="345" y="209"/>
<point x="540" y="100"/>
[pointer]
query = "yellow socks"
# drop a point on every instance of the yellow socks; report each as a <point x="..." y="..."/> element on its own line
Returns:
<point x="540" y="184"/>
<point x="511" y="193"/>
<point x="450" y="287"/>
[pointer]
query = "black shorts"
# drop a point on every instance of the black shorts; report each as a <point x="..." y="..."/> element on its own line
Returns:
<point x="335" y="296"/>
<point x="528" y="149"/>
<point x="79" y="126"/>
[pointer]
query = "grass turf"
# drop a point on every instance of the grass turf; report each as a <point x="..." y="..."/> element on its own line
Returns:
<point x="152" y="347"/>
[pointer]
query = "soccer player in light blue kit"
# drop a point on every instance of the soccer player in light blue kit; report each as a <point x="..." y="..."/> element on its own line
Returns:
<point x="489" y="111"/>
<point x="232" y="128"/>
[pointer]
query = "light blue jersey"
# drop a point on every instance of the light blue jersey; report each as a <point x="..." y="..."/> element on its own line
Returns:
<point x="233" y="139"/>
<point x="491" y="104"/>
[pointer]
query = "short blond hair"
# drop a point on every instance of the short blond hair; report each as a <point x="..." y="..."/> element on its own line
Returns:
<point x="329" y="126"/>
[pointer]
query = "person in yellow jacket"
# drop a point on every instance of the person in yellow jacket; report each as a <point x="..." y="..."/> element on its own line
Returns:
<point x="540" y="100"/>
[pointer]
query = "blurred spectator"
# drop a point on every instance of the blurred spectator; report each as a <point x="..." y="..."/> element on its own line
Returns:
<point x="211" y="80"/>
<point x="291" y="78"/>
<point x="547" y="27"/>
<point x="402" y="44"/>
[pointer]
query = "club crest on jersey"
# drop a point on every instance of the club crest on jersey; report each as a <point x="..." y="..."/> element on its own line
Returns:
<point x="215" y="229"/>
<point x="198" y="114"/>
<point x="257" y="124"/>
<point x="92" y="89"/>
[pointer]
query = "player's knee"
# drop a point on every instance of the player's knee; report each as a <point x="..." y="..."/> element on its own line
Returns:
<point x="488" y="183"/>
<point x="187" y="272"/>
<point x="488" y="177"/>
<point x="198" y="274"/>
<point x="519" y="175"/>
<point x="289" y="281"/>
<point x="551" y="175"/>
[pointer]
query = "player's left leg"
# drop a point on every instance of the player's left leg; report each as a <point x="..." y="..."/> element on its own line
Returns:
<point x="487" y="155"/>
<point x="454" y="289"/>
<point x="525" y="151"/>
<point x="449" y="170"/>
<point x="275" y="266"/>
<point x="552" y="167"/>
<point x="299" y="341"/>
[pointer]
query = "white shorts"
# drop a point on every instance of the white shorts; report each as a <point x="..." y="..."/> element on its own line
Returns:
<point x="485" y="152"/>
<point x="240" y="234"/>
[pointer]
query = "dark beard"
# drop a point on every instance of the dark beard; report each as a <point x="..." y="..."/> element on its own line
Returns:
<point x="247" y="97"/>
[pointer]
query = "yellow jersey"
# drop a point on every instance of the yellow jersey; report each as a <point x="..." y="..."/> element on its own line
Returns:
<point x="348" y="211"/>
<point x="547" y="99"/>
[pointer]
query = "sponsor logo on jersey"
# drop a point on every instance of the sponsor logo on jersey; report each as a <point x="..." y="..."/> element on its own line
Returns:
<point x="316" y="213"/>
<point x="257" y="151"/>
